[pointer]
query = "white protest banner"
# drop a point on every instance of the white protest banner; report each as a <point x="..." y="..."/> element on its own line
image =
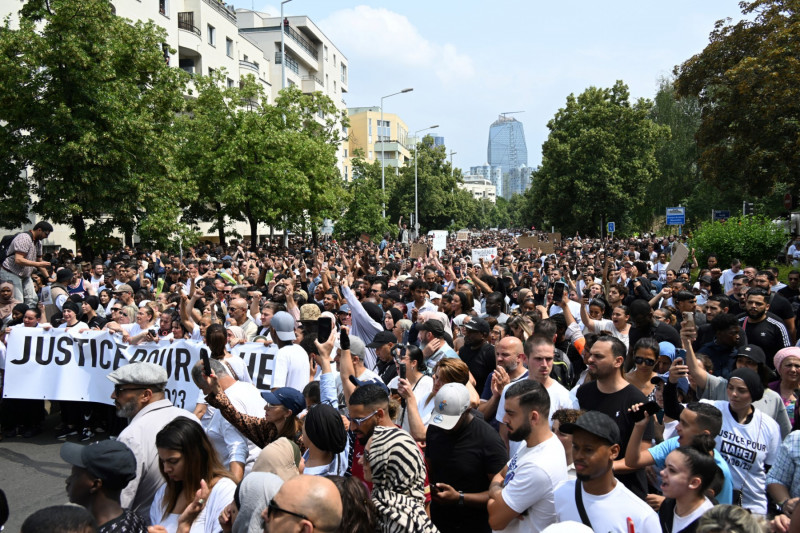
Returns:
<point x="55" y="365"/>
<point x="177" y="359"/>
<point x="439" y="240"/>
<point x="488" y="254"/>
<point x="259" y="360"/>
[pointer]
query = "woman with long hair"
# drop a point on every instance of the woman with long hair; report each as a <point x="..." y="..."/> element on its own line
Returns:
<point x="645" y="357"/>
<point x="687" y="474"/>
<point x="197" y="487"/>
<point x="358" y="512"/>
<point x="393" y="463"/>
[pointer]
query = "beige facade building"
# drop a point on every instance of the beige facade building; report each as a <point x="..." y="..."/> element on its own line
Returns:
<point x="376" y="139"/>
<point x="479" y="187"/>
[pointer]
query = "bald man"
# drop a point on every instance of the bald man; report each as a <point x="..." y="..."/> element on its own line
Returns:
<point x="304" y="504"/>
<point x="238" y="311"/>
<point x="510" y="360"/>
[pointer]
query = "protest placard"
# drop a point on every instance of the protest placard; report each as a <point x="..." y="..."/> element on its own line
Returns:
<point x="487" y="254"/>
<point x="259" y="360"/>
<point x="528" y="242"/>
<point x="419" y="250"/>
<point x="462" y="236"/>
<point x="439" y="240"/>
<point x="679" y="255"/>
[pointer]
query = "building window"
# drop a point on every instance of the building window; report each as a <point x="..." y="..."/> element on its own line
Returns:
<point x="212" y="35"/>
<point x="370" y="155"/>
<point x="210" y="71"/>
<point x="230" y="83"/>
<point x="334" y="60"/>
<point x="325" y="51"/>
<point x="344" y="73"/>
<point x="345" y="152"/>
<point x="229" y="47"/>
<point x="163" y="7"/>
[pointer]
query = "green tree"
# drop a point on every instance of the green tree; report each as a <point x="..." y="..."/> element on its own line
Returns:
<point x="365" y="201"/>
<point x="87" y="101"/>
<point x="597" y="160"/>
<point x="747" y="81"/>
<point x="755" y="240"/>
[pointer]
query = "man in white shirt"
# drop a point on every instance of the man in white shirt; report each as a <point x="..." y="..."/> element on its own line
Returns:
<point x="521" y="495"/>
<point x="727" y="275"/>
<point x="597" y="499"/>
<point x="292" y="367"/>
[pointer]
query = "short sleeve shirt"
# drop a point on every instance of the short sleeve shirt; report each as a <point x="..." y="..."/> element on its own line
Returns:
<point x="32" y="251"/>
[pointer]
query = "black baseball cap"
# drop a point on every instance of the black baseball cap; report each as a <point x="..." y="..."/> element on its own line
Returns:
<point x="109" y="460"/>
<point x="753" y="352"/>
<point x="477" y="324"/>
<point x="382" y="339"/>
<point x="434" y="326"/>
<point x="597" y="423"/>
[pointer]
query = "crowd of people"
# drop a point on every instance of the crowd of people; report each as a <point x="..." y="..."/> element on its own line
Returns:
<point x="594" y="388"/>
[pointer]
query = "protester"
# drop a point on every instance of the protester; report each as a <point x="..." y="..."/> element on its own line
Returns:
<point x="24" y="257"/>
<point x="687" y="474"/>
<point x="60" y="519"/>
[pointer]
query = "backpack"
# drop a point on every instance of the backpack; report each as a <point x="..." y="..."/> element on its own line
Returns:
<point x="5" y="244"/>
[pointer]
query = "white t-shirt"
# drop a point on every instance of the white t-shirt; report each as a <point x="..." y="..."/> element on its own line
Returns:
<point x="208" y="519"/>
<point x="608" y="512"/>
<point x="605" y="324"/>
<point x="533" y="474"/>
<point x="748" y="448"/>
<point x="230" y="444"/>
<point x="574" y="308"/>
<point x="661" y="270"/>
<point x="427" y="306"/>
<point x="679" y="523"/>
<point x="292" y="368"/>
<point x="422" y="389"/>
<point x="560" y="398"/>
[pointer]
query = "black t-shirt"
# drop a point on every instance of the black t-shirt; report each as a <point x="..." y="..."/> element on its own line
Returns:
<point x="769" y="334"/>
<point x="466" y="460"/>
<point x="723" y="357"/>
<point x="780" y="307"/>
<point x="789" y="293"/>
<point x="481" y="362"/>
<point x="387" y="371"/>
<point x="127" y="522"/>
<point x="616" y="406"/>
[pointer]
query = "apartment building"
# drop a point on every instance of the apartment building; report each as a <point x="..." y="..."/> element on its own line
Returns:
<point x="376" y="139"/>
<point x="312" y="63"/>
<point x="479" y="187"/>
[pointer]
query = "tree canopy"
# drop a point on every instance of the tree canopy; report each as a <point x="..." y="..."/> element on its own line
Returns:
<point x="597" y="161"/>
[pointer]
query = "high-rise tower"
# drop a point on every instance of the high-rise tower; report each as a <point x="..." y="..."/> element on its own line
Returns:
<point x="507" y="147"/>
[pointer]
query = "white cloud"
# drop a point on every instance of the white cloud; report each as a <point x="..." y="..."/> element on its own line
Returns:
<point x="377" y="34"/>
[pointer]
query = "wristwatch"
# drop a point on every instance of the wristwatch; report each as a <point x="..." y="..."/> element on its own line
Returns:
<point x="780" y="506"/>
<point x="461" y="498"/>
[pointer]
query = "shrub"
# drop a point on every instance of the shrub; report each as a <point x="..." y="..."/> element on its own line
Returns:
<point x="753" y="239"/>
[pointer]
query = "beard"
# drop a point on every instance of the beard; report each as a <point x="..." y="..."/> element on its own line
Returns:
<point x="754" y="314"/>
<point x="521" y="433"/>
<point x="127" y="410"/>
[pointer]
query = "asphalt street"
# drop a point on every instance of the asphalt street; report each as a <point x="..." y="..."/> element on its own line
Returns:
<point x="32" y="473"/>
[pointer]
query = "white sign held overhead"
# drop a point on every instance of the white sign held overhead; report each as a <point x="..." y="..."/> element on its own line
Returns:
<point x="487" y="254"/>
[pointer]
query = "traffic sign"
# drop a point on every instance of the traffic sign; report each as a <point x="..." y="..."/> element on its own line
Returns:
<point x="611" y="227"/>
<point x="787" y="201"/>
<point x="721" y="215"/>
<point x="676" y="216"/>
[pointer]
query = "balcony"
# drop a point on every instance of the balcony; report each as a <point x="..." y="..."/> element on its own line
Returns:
<point x="311" y="84"/>
<point x="221" y="8"/>
<point x="291" y="64"/>
<point x="186" y="23"/>
<point x="249" y="65"/>
<point x="301" y="41"/>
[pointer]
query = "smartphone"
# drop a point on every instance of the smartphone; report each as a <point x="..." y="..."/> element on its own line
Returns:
<point x="651" y="408"/>
<point x="688" y="318"/>
<point x="558" y="293"/>
<point x="206" y="362"/>
<point x="402" y="371"/>
<point x="153" y="333"/>
<point x="324" y="327"/>
<point x="586" y="293"/>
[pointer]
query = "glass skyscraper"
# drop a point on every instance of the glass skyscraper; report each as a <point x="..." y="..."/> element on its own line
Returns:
<point x="507" y="147"/>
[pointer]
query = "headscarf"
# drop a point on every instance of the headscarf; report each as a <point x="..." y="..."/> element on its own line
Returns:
<point x="397" y="315"/>
<point x="324" y="428"/>
<point x="751" y="380"/>
<point x="398" y="477"/>
<point x="238" y="333"/>
<point x="255" y="492"/>
<point x="280" y="457"/>
<point x="7" y="304"/>
<point x="792" y="351"/>
<point x="441" y="317"/>
<point x="666" y="349"/>
<point x="374" y="311"/>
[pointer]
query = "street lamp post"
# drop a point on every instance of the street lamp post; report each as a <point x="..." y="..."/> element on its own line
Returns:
<point x="416" y="190"/>
<point x="383" y="156"/>
<point x="283" y="48"/>
<point x="451" y="163"/>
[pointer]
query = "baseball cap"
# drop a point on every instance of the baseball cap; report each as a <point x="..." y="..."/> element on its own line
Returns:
<point x="597" y="423"/>
<point x="434" y="296"/>
<point x="753" y="352"/>
<point x="309" y="312"/>
<point x="123" y="288"/>
<point x="283" y="324"/>
<point x="683" y="383"/>
<point x="344" y="309"/>
<point x="109" y="460"/>
<point x="434" y="326"/>
<point x="450" y="403"/>
<point x="362" y="382"/>
<point x="393" y="295"/>
<point x="139" y="374"/>
<point x="357" y="347"/>
<point x="288" y="397"/>
<point x="382" y="338"/>
<point x="477" y="324"/>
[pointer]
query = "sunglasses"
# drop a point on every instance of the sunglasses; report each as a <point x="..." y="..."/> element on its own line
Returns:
<point x="643" y="361"/>
<point x="118" y="389"/>
<point x="359" y="421"/>
<point x="275" y="508"/>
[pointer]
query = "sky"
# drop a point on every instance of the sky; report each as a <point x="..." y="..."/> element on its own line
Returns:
<point x="469" y="61"/>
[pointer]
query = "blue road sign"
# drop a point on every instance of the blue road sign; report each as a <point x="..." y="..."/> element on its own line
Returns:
<point x="611" y="227"/>
<point x="676" y="216"/>
<point x="721" y="215"/>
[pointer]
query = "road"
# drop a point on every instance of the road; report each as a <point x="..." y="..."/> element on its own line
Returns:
<point x="32" y="473"/>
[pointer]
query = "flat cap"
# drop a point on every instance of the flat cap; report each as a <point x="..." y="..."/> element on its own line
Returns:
<point x="139" y="374"/>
